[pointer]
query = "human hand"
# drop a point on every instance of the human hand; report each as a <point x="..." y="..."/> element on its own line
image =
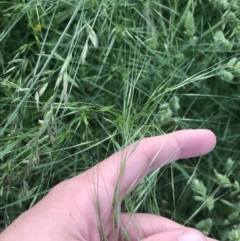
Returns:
<point x="87" y="207"/>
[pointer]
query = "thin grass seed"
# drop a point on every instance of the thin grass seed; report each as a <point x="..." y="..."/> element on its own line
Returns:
<point x="92" y="35"/>
<point x="84" y="53"/>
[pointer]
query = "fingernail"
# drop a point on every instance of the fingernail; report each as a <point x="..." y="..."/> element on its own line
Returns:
<point x="190" y="236"/>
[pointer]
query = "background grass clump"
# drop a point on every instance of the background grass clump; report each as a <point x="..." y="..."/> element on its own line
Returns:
<point x="81" y="79"/>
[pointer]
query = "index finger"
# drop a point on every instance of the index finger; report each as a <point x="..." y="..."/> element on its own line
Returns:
<point x="126" y="168"/>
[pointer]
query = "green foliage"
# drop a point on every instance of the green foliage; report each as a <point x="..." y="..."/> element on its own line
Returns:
<point x="232" y="20"/>
<point x="198" y="188"/>
<point x="189" y="25"/>
<point x="80" y="80"/>
<point x="223" y="180"/>
<point x="233" y="216"/>
<point x="234" y="235"/>
<point x="205" y="226"/>
<point x="221" y="43"/>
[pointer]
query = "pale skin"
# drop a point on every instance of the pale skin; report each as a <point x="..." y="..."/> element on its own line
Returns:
<point x="68" y="211"/>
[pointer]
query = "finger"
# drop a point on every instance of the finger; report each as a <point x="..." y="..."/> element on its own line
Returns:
<point x="181" y="234"/>
<point x="141" y="226"/>
<point x="134" y="162"/>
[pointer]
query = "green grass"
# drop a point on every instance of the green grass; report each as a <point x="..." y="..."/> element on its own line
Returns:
<point x="81" y="79"/>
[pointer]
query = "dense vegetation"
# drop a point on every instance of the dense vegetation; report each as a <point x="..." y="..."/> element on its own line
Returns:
<point x="80" y="79"/>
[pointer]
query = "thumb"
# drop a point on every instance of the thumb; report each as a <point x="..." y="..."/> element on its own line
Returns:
<point x="181" y="234"/>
